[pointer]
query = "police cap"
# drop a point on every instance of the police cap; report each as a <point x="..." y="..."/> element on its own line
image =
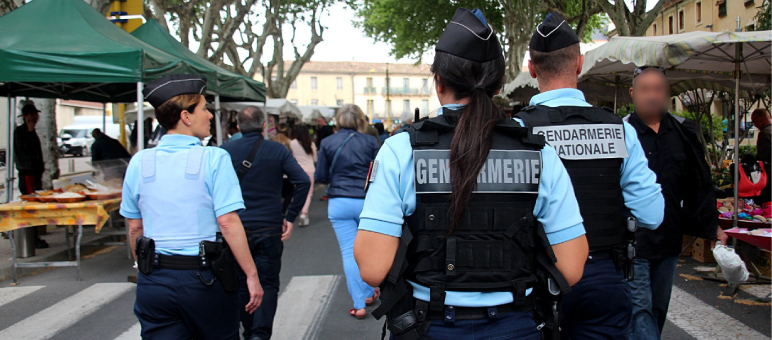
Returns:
<point x="469" y="36"/>
<point x="167" y="87"/>
<point x="552" y="34"/>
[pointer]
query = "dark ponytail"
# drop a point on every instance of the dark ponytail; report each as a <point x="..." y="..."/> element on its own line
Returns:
<point x="474" y="132"/>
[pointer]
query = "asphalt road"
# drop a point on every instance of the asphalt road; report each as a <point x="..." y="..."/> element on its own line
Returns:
<point x="314" y="302"/>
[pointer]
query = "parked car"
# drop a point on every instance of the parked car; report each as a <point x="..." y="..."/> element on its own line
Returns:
<point x="77" y="140"/>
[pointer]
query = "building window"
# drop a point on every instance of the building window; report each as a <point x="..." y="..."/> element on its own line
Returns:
<point x="339" y="83"/>
<point x="681" y="20"/>
<point x="339" y="102"/>
<point x="654" y="29"/>
<point x="406" y="84"/>
<point x="313" y="83"/>
<point x="425" y="107"/>
<point x="698" y="12"/>
<point x="369" y="107"/>
<point x="406" y="105"/>
<point x="369" y="89"/>
<point x="425" y="85"/>
<point x="314" y="102"/>
<point x="670" y="25"/>
<point x="749" y="3"/>
<point x="294" y="85"/>
<point x="722" y="9"/>
<point x="672" y="105"/>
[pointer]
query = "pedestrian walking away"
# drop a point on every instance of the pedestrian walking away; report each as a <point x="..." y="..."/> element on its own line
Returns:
<point x="344" y="159"/>
<point x="458" y="243"/>
<point x="675" y="154"/>
<point x="181" y="201"/>
<point x="304" y="151"/>
<point x="261" y="165"/>
<point x="610" y="177"/>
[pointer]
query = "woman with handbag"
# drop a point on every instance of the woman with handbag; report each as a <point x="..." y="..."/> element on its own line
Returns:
<point x="343" y="161"/>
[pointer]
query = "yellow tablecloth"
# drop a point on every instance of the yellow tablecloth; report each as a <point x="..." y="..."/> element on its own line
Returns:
<point x="18" y="215"/>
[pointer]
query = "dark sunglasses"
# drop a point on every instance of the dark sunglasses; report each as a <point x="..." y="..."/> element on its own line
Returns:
<point x="640" y="70"/>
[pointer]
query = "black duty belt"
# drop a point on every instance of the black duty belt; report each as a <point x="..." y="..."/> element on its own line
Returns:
<point x="474" y="313"/>
<point x="600" y="255"/>
<point x="178" y="262"/>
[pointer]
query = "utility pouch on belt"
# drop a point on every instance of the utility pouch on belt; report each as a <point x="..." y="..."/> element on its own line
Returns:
<point x="223" y="263"/>
<point x="145" y="251"/>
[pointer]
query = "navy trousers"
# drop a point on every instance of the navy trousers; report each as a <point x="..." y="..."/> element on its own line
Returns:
<point x="176" y="304"/>
<point x="266" y="251"/>
<point x="599" y="306"/>
<point x="509" y="326"/>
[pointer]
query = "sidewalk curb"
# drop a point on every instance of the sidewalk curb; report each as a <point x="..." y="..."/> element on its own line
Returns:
<point x="6" y="270"/>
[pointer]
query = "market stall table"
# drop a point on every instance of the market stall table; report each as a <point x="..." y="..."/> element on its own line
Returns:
<point x="19" y="215"/>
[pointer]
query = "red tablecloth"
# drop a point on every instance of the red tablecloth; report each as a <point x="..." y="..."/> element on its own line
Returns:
<point x="764" y="242"/>
<point x="726" y="223"/>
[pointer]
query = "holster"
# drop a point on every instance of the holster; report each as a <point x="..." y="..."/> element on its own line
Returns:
<point x="222" y="262"/>
<point x="145" y="251"/>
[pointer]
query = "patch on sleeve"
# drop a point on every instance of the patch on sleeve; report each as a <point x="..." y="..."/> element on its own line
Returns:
<point x="371" y="174"/>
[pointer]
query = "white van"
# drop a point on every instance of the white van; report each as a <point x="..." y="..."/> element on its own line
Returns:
<point x="77" y="140"/>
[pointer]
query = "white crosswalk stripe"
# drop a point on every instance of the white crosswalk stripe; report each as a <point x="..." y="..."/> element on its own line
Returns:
<point x="58" y="317"/>
<point x="703" y="321"/>
<point x="303" y="305"/>
<point x="132" y="333"/>
<point x="12" y="293"/>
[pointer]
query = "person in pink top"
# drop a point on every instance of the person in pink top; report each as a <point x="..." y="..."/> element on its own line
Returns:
<point x="304" y="150"/>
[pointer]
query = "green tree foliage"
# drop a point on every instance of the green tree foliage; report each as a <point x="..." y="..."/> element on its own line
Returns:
<point x="413" y="27"/>
<point x="763" y="17"/>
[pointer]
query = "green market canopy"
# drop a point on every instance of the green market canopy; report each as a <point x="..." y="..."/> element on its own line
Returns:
<point x="66" y="49"/>
<point x="229" y="85"/>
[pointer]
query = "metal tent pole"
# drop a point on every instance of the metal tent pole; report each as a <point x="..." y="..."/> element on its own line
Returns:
<point x="217" y="119"/>
<point x="9" y="151"/>
<point x="738" y="55"/>
<point x="616" y="91"/>
<point x="140" y="126"/>
<point x="104" y="118"/>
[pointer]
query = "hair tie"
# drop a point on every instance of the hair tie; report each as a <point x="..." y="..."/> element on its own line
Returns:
<point x="478" y="87"/>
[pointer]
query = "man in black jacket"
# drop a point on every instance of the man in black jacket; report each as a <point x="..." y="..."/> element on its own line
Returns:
<point x="676" y="156"/>
<point x="28" y="155"/>
<point x="106" y="148"/>
<point x="266" y="227"/>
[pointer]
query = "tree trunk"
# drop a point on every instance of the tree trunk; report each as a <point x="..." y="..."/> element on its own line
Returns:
<point x="47" y="131"/>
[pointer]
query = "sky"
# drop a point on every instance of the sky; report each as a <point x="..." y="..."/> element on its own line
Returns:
<point x="343" y="41"/>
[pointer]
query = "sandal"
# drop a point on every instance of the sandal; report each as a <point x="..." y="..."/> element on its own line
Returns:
<point x="371" y="300"/>
<point x="356" y="313"/>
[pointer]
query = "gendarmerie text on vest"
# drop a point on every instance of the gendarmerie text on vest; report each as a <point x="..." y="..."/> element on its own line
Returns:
<point x="504" y="171"/>
<point x="585" y="141"/>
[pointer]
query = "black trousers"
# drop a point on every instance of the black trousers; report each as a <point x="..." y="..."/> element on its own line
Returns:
<point x="177" y="305"/>
<point x="266" y="252"/>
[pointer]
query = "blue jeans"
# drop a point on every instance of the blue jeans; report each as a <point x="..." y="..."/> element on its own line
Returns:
<point x="176" y="305"/>
<point x="651" y="296"/>
<point x="599" y="306"/>
<point x="344" y="216"/>
<point x="509" y="326"/>
<point x="266" y="251"/>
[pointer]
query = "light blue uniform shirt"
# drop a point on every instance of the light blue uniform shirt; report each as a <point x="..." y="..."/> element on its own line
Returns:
<point x="220" y="179"/>
<point x="392" y="196"/>
<point x="642" y="194"/>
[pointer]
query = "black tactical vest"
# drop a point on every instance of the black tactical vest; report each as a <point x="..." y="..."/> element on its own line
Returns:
<point x="591" y="143"/>
<point x="493" y="248"/>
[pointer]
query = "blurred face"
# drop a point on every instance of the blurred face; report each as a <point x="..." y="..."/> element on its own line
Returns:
<point x="198" y="121"/>
<point x="31" y="118"/>
<point x="650" y="93"/>
<point x="320" y="121"/>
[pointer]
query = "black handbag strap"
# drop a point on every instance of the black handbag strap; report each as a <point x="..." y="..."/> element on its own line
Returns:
<point x="247" y="163"/>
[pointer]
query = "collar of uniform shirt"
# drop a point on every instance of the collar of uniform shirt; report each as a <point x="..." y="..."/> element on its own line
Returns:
<point x="560" y="97"/>
<point x="178" y="140"/>
<point x="450" y="107"/>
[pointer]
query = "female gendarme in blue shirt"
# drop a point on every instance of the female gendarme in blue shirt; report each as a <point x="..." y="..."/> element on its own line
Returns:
<point x="179" y="194"/>
<point x="470" y="186"/>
